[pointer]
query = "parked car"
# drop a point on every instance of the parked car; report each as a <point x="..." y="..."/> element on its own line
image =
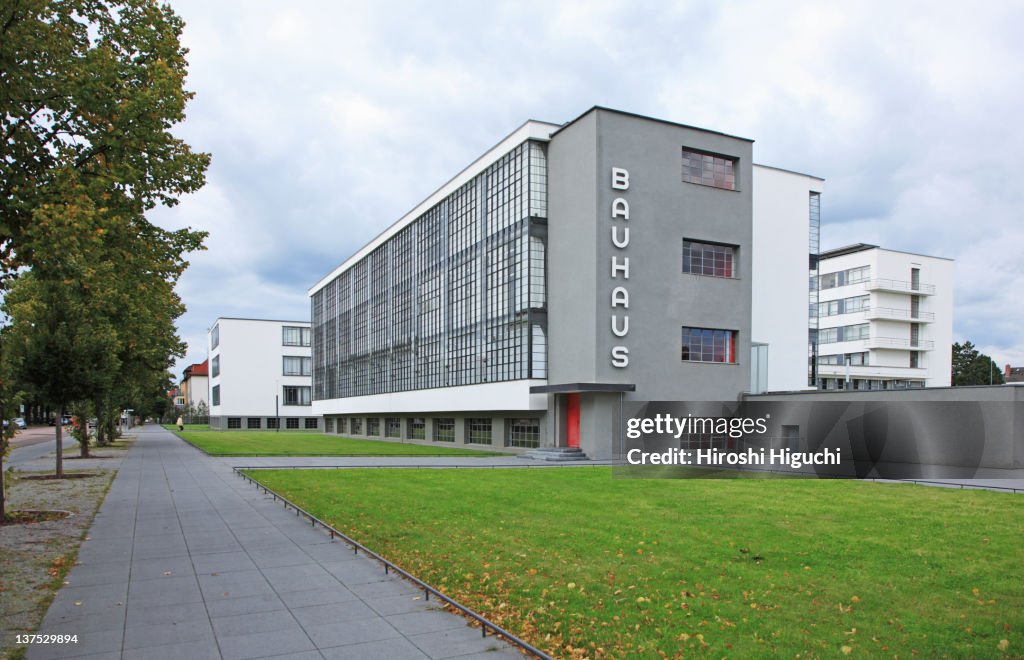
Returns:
<point x="19" y="422"/>
<point x="64" y="421"/>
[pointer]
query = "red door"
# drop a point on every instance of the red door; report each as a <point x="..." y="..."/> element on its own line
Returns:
<point x="572" y="421"/>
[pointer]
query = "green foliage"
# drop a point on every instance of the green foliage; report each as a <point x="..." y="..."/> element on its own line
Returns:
<point x="89" y="93"/>
<point x="89" y="90"/>
<point x="585" y="565"/>
<point x="971" y="367"/>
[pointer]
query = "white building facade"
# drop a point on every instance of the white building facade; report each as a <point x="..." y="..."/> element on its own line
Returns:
<point x="787" y="223"/>
<point x="260" y="375"/>
<point x="885" y="319"/>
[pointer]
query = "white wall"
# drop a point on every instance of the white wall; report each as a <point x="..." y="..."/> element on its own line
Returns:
<point x="780" y="273"/>
<point x="512" y="395"/>
<point x="198" y="390"/>
<point x="896" y="265"/>
<point x="251" y="367"/>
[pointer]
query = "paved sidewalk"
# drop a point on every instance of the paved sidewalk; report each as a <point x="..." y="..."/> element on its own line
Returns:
<point x="186" y="560"/>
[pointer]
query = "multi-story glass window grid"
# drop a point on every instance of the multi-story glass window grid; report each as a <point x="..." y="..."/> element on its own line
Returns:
<point x="709" y="345"/>
<point x="416" y="428"/>
<point x="292" y="422"/>
<point x="522" y="432"/>
<point x="844" y="333"/>
<point x="455" y="298"/>
<point x="814" y="249"/>
<point x="273" y="423"/>
<point x="444" y="429"/>
<point x="297" y="365"/>
<point x="215" y="396"/>
<point x="712" y="259"/>
<point x="297" y="395"/>
<point x="252" y="423"/>
<point x="478" y="431"/>
<point x="295" y="336"/>
<point x="854" y="359"/>
<point x="215" y="366"/>
<point x="392" y="427"/>
<point x="357" y="426"/>
<point x="373" y="426"/>
<point x="234" y="422"/>
<point x="215" y="337"/>
<point x="844" y="277"/>
<point x="709" y="169"/>
<point x="844" y="306"/>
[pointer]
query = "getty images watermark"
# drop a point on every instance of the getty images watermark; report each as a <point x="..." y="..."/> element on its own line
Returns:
<point x="723" y="428"/>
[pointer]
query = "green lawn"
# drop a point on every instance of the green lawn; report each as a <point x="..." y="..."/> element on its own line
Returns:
<point x="582" y="564"/>
<point x="307" y="443"/>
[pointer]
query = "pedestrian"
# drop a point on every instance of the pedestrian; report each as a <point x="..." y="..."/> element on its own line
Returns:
<point x="180" y="423"/>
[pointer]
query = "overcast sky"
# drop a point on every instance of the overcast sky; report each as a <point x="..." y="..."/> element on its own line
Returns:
<point x="327" y="121"/>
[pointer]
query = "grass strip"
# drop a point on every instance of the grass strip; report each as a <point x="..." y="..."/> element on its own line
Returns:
<point x="584" y="565"/>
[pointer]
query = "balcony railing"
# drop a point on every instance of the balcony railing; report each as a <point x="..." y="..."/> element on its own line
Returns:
<point x="898" y="315"/>
<point x="899" y="286"/>
<point x="897" y="342"/>
<point x="877" y="371"/>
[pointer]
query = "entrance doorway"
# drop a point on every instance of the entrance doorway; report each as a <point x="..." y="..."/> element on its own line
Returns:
<point x="572" y="420"/>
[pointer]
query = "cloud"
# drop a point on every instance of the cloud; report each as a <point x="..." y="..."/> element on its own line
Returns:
<point x="329" y="120"/>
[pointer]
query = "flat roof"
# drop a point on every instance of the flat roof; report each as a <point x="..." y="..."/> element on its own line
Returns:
<point x="529" y="130"/>
<point x="582" y="387"/>
<point x="239" y="318"/>
<point x="639" y="116"/>
<point x="862" y="247"/>
<point x="783" y="169"/>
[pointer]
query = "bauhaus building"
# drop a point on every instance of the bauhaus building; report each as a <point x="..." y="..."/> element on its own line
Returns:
<point x="567" y="270"/>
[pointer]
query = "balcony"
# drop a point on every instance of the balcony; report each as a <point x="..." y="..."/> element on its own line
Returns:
<point x="899" y="286"/>
<point x="899" y="343"/>
<point x="892" y="314"/>
<point x="870" y="371"/>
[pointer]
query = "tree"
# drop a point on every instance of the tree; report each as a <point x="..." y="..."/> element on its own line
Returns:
<point x="971" y="367"/>
<point x="89" y="93"/>
<point x="89" y="89"/>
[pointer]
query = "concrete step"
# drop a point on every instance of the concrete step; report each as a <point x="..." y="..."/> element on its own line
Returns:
<point x="555" y="454"/>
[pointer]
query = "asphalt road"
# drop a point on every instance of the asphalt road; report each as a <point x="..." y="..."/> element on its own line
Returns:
<point x="32" y="444"/>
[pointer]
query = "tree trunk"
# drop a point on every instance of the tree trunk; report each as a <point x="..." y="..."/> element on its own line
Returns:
<point x="60" y="445"/>
<point x="3" y="489"/>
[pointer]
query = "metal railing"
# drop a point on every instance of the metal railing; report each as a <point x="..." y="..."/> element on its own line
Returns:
<point x="897" y="342"/>
<point x="389" y="566"/>
<point x="899" y="285"/>
<point x="901" y="314"/>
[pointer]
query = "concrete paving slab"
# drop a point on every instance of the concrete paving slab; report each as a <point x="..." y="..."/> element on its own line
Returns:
<point x="186" y="560"/>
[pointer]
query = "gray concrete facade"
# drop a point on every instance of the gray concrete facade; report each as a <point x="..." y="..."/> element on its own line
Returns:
<point x="970" y="427"/>
<point x="663" y="211"/>
<point x="603" y="296"/>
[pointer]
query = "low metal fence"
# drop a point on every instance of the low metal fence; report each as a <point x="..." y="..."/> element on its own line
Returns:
<point x="389" y="566"/>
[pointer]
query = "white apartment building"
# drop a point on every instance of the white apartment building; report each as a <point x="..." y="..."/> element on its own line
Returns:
<point x="885" y="319"/>
<point x="260" y="374"/>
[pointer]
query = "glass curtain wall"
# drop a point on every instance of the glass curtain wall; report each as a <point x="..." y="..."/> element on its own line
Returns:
<point x="457" y="297"/>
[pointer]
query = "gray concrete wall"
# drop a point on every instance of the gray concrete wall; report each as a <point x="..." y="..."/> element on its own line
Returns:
<point x="969" y="427"/>
<point x="662" y="299"/>
<point x="572" y="253"/>
<point x="663" y="210"/>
